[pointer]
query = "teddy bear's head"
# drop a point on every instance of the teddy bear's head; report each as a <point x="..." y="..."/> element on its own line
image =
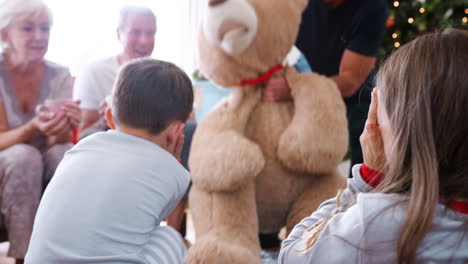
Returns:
<point x="241" y="39"/>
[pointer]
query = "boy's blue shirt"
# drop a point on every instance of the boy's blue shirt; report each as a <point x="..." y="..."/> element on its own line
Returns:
<point x="106" y="198"/>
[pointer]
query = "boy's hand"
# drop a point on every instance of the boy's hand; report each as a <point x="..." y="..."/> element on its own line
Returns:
<point x="176" y="143"/>
<point x="371" y="139"/>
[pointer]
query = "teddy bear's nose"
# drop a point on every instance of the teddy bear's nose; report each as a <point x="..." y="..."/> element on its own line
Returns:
<point x="212" y="3"/>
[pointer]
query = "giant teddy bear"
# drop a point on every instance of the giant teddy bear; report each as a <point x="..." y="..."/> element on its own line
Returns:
<point x="258" y="166"/>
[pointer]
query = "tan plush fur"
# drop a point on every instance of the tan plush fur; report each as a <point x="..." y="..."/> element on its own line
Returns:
<point x="259" y="166"/>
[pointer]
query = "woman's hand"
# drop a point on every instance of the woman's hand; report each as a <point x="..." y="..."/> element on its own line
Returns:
<point x="371" y="139"/>
<point x="73" y="113"/>
<point x="52" y="124"/>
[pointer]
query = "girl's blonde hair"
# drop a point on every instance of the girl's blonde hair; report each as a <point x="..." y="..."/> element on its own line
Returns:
<point x="424" y="88"/>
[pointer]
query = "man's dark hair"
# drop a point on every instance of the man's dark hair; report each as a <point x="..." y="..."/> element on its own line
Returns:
<point x="150" y="94"/>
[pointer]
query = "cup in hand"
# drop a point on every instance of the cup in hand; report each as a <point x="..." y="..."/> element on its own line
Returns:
<point x="51" y="106"/>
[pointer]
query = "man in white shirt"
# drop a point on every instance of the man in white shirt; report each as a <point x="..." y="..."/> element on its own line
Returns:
<point x="136" y="32"/>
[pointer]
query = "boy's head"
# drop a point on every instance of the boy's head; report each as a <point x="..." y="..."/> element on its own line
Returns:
<point x="150" y="94"/>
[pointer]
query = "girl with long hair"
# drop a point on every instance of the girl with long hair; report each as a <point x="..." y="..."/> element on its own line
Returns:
<point x="408" y="202"/>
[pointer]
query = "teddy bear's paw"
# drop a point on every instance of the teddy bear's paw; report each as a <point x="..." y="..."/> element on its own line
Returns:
<point x="301" y="153"/>
<point x="212" y="250"/>
<point x="228" y="162"/>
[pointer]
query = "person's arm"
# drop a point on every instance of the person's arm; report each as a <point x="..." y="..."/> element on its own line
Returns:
<point x="63" y="90"/>
<point x="358" y="58"/>
<point x="364" y="180"/>
<point x="73" y="116"/>
<point x="342" y="224"/>
<point x="56" y="126"/>
<point x="93" y="119"/>
<point x="90" y="119"/>
<point x="87" y="90"/>
<point x="22" y="134"/>
<point x="277" y="88"/>
<point x="342" y="234"/>
<point x="59" y="139"/>
<point x="371" y="140"/>
<point x="355" y="186"/>
<point x="360" y="53"/>
<point x="354" y="69"/>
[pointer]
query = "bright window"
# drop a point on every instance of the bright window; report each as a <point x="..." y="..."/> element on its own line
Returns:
<point x="85" y="31"/>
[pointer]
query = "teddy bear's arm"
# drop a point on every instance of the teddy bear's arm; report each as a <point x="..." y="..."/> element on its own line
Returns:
<point x="221" y="157"/>
<point x="317" y="138"/>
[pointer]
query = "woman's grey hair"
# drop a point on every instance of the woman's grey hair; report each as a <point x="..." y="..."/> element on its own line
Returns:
<point x="136" y="10"/>
<point x="12" y="11"/>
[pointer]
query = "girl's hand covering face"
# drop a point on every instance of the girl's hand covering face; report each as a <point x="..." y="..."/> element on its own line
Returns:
<point x="371" y="139"/>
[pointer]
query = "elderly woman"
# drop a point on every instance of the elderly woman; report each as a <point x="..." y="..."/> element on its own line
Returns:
<point x="36" y="116"/>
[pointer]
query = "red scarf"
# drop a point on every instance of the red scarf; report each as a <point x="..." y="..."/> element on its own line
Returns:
<point x="373" y="178"/>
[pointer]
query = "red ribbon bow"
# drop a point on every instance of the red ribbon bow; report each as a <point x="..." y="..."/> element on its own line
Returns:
<point x="262" y="78"/>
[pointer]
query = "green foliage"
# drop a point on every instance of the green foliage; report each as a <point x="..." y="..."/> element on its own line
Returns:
<point x="197" y="76"/>
<point x="426" y="15"/>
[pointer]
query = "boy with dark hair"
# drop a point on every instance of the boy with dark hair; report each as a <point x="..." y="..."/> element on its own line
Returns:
<point x="112" y="190"/>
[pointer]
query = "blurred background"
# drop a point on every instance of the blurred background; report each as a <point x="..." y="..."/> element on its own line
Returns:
<point x="85" y="30"/>
<point x="409" y="18"/>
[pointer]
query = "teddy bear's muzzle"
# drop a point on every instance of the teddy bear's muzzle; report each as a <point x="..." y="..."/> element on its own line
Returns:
<point x="230" y="25"/>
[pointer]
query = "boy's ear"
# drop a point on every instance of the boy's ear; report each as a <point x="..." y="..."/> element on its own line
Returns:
<point x="174" y="130"/>
<point x="109" y="118"/>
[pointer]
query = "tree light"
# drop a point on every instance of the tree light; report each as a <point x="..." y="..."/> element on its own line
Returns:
<point x="464" y="20"/>
<point x="396" y="4"/>
<point x="397" y="44"/>
<point x="394" y="35"/>
<point x="422" y="10"/>
<point x="410" y="20"/>
<point x="466" y="11"/>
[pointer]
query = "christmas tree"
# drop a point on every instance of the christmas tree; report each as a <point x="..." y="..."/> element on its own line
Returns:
<point x="410" y="18"/>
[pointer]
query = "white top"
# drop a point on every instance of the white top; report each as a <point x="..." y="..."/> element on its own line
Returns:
<point x="96" y="82"/>
<point x="293" y="57"/>
<point x="106" y="201"/>
<point x="368" y="231"/>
